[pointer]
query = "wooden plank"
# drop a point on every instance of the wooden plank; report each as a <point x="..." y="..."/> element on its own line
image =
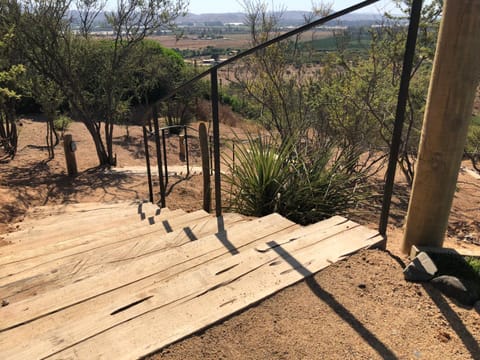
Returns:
<point x="27" y="250"/>
<point x="158" y="267"/>
<point x="141" y="210"/>
<point x="82" y="225"/>
<point x="178" y="296"/>
<point x="40" y="276"/>
<point x="47" y="273"/>
<point x="34" y="248"/>
<point x="117" y="298"/>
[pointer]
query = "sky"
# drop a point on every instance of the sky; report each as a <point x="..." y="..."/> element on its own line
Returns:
<point x="223" y="6"/>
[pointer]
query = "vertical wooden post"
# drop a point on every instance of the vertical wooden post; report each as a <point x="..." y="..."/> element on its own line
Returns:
<point x="455" y="74"/>
<point x="69" y="147"/>
<point x="181" y="145"/>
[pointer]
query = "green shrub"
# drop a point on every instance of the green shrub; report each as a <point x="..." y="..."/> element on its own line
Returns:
<point x="474" y="263"/>
<point x="62" y="123"/>
<point x="303" y="185"/>
<point x="257" y="176"/>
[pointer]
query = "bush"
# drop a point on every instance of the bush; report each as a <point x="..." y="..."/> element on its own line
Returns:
<point x="62" y="123"/>
<point x="303" y="185"/>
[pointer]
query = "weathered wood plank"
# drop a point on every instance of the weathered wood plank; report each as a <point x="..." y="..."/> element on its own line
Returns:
<point x="152" y="268"/>
<point x="55" y="270"/>
<point x="43" y="277"/>
<point x="24" y="256"/>
<point x="206" y="295"/>
<point x="82" y="224"/>
<point x="141" y="210"/>
<point x="76" y="323"/>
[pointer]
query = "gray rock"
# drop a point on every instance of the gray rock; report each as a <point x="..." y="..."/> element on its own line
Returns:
<point x="477" y="306"/>
<point x="462" y="290"/>
<point x="421" y="269"/>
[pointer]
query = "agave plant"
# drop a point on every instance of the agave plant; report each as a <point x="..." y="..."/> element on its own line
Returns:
<point x="257" y="174"/>
<point x="304" y="186"/>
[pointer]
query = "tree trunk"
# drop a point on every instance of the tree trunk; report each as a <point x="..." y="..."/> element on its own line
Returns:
<point x="97" y="140"/>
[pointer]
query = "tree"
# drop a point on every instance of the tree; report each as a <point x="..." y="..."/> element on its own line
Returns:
<point x="11" y="74"/>
<point x="91" y="76"/>
<point x="368" y="85"/>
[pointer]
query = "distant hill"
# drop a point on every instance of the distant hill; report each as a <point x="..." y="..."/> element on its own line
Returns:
<point x="289" y="18"/>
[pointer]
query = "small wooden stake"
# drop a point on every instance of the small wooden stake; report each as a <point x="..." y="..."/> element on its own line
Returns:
<point x="181" y="145"/>
<point x="69" y="147"/>
<point x="207" y="196"/>
<point x="455" y="75"/>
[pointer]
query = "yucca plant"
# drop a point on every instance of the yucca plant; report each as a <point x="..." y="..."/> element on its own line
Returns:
<point x="319" y="187"/>
<point x="304" y="186"/>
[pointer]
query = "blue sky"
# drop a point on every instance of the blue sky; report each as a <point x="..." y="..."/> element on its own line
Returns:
<point x="222" y="6"/>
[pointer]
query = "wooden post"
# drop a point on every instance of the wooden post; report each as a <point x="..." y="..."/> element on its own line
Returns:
<point x="181" y="144"/>
<point x="70" y="147"/>
<point x="455" y="75"/>
<point x="207" y="196"/>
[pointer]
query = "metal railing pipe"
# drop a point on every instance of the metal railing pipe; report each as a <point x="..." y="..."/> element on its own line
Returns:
<point x="159" y="156"/>
<point x="186" y="150"/>
<point x="164" y="143"/>
<point x="411" y="43"/>
<point x="147" y="159"/>
<point x="216" y="143"/>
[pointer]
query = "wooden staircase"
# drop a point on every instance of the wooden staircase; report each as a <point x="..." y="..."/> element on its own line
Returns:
<point x="122" y="280"/>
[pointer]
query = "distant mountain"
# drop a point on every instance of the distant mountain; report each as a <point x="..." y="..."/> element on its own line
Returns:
<point x="288" y="18"/>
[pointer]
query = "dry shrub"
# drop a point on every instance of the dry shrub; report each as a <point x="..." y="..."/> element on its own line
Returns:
<point x="203" y="112"/>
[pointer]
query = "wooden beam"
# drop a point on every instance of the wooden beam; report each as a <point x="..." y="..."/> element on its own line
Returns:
<point x="455" y="75"/>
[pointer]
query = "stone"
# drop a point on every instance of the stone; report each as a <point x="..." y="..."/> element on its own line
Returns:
<point x="476" y="306"/>
<point x="458" y="289"/>
<point x="421" y="269"/>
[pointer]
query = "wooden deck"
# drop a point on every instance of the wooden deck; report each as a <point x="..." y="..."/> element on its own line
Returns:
<point x="124" y="280"/>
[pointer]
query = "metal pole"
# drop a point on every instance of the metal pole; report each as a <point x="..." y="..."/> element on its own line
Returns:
<point x="400" y="115"/>
<point x="210" y="146"/>
<point x="159" y="157"/>
<point x="164" y="141"/>
<point x="147" y="161"/>
<point x="186" y="150"/>
<point x="216" y="143"/>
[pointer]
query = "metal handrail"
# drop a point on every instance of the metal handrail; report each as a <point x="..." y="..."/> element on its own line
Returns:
<point x="266" y="44"/>
<point x="399" y="118"/>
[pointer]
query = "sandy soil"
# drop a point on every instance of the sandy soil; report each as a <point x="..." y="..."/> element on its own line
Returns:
<point x="360" y="308"/>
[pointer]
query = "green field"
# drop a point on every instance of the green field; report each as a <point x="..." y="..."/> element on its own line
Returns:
<point x="332" y="43"/>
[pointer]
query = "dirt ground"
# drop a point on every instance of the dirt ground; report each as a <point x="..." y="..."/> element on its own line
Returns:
<point x="360" y="308"/>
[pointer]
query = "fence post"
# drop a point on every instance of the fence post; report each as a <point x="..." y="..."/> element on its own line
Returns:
<point x="400" y="116"/>
<point x="70" y="147"/>
<point x="455" y="74"/>
<point x="181" y="145"/>
<point x="216" y="143"/>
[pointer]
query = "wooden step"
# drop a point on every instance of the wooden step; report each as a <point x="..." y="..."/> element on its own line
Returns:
<point x="140" y="319"/>
<point x="50" y="271"/>
<point x="30" y="246"/>
<point x="83" y="226"/>
<point x="49" y="210"/>
<point x="141" y="210"/>
<point x="146" y="270"/>
<point x="16" y="259"/>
